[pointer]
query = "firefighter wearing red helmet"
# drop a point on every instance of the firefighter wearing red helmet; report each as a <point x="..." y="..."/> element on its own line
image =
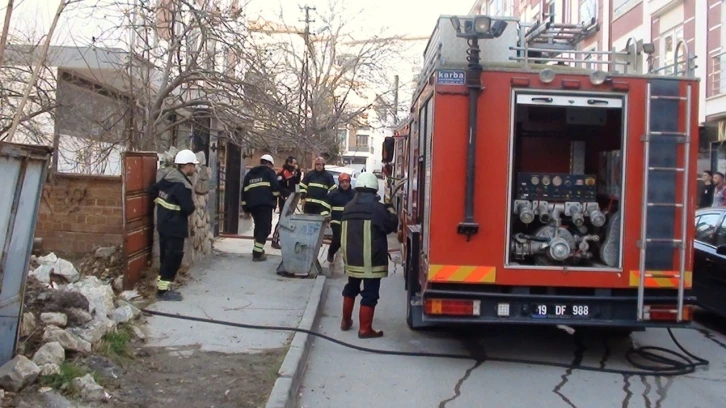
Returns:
<point x="337" y="199"/>
<point x="315" y="188"/>
<point x="365" y="226"/>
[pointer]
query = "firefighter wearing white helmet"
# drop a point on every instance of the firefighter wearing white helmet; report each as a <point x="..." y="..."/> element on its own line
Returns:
<point x="259" y="198"/>
<point x="366" y="222"/>
<point x="173" y="197"/>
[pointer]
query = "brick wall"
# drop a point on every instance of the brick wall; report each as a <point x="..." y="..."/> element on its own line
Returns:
<point x="79" y="213"/>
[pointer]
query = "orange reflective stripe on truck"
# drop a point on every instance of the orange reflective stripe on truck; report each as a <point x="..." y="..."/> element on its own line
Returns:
<point x="660" y="279"/>
<point x="463" y="274"/>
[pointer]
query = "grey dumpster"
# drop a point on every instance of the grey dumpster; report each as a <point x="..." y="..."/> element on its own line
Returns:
<point x="301" y="236"/>
<point x="22" y="174"/>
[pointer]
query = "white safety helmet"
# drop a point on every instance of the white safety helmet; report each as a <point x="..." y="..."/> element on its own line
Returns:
<point x="268" y="158"/>
<point x="186" y="156"/>
<point x="367" y="180"/>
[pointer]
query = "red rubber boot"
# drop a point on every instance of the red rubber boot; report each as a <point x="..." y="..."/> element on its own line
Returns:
<point x="347" y="321"/>
<point x="366" y="324"/>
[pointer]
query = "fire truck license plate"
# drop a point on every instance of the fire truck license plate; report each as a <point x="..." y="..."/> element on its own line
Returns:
<point x="560" y="311"/>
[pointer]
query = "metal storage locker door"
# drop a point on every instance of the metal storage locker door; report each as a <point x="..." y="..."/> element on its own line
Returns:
<point x="22" y="169"/>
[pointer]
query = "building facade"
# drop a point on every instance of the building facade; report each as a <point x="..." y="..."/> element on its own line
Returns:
<point x="667" y="25"/>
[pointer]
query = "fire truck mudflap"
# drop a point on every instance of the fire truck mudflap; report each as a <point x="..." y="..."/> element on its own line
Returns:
<point x="572" y="187"/>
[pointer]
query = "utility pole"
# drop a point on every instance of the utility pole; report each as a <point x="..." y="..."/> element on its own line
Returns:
<point x="304" y="100"/>
<point x="395" y="100"/>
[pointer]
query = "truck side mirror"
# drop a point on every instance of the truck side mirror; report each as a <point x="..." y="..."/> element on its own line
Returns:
<point x="721" y="250"/>
<point x="387" y="151"/>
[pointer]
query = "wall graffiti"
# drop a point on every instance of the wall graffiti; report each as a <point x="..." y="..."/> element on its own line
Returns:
<point x="69" y="199"/>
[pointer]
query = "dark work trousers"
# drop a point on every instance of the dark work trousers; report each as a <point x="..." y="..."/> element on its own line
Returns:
<point x="262" y="217"/>
<point x="171" y="253"/>
<point x="313" y="208"/>
<point x="335" y="243"/>
<point x="369" y="294"/>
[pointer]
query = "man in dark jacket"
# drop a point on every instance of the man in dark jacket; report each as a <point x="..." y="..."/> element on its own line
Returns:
<point x="315" y="188"/>
<point x="365" y="225"/>
<point x="338" y="199"/>
<point x="259" y="198"/>
<point x="288" y="178"/>
<point x="174" y="204"/>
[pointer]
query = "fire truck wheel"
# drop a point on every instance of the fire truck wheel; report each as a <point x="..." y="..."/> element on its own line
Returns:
<point x="409" y="310"/>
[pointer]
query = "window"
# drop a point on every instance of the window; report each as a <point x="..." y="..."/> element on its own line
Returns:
<point x="668" y="42"/>
<point x="588" y="10"/>
<point x="721" y="234"/>
<point x="705" y="226"/>
<point x="495" y="7"/>
<point x="361" y="141"/>
<point x="620" y="7"/>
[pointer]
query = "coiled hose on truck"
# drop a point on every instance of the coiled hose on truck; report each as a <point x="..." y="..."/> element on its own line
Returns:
<point x="668" y="363"/>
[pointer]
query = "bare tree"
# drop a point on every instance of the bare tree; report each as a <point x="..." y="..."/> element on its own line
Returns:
<point x="340" y="76"/>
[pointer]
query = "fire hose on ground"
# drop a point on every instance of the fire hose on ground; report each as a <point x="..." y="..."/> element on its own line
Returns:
<point x="668" y="363"/>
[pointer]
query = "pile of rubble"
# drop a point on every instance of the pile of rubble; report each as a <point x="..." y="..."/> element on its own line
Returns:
<point x="67" y="314"/>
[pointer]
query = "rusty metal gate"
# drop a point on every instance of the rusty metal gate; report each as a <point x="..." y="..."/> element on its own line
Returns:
<point x="139" y="173"/>
<point x="22" y="175"/>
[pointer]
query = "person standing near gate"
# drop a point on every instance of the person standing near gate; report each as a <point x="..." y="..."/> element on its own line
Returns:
<point x="315" y="188"/>
<point x="288" y="178"/>
<point x="174" y="204"/>
<point x="259" y="198"/>
<point x="365" y="226"/>
<point x="338" y="199"/>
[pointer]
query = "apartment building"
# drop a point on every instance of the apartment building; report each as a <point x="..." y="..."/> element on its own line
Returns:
<point x="699" y="24"/>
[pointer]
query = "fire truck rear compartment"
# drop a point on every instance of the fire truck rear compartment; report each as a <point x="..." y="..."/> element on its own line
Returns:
<point x="566" y="181"/>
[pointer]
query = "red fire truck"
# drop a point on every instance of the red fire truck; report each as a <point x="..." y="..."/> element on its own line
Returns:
<point x="539" y="184"/>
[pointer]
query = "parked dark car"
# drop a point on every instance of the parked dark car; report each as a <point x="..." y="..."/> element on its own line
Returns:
<point x="709" y="259"/>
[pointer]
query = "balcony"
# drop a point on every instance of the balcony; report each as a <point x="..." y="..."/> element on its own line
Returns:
<point x="716" y="86"/>
<point x="717" y="82"/>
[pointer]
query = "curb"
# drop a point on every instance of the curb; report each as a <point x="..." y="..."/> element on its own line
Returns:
<point x="284" y="393"/>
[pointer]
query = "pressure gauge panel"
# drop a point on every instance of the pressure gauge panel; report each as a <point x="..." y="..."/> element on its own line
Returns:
<point x="555" y="186"/>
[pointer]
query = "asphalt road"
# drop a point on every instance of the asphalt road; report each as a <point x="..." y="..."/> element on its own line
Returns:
<point x="342" y="377"/>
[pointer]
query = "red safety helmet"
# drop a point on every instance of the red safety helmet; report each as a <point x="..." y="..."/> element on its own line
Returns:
<point x="344" y="177"/>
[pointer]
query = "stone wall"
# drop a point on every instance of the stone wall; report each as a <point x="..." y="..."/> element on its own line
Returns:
<point x="200" y="242"/>
<point x="79" y="213"/>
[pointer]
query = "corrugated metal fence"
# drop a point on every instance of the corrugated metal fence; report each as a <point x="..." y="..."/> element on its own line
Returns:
<point x="22" y="175"/>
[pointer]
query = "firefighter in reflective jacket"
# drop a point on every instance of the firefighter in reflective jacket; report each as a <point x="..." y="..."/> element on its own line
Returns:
<point x="259" y="198"/>
<point x="365" y="225"/>
<point x="337" y="199"/>
<point x="174" y="204"/>
<point x="315" y="188"/>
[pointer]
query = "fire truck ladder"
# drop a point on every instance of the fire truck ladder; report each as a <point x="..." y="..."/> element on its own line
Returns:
<point x="660" y="172"/>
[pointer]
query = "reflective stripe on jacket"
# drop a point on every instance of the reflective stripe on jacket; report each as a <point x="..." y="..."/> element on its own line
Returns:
<point x="337" y="199"/>
<point x="260" y="188"/>
<point x="366" y="222"/>
<point x="174" y="204"/>
<point x="316" y="186"/>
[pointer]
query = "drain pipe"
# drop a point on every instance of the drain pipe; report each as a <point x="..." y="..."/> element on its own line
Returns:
<point x="469" y="226"/>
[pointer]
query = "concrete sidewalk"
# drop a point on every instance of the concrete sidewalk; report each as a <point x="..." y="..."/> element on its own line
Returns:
<point x="231" y="287"/>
